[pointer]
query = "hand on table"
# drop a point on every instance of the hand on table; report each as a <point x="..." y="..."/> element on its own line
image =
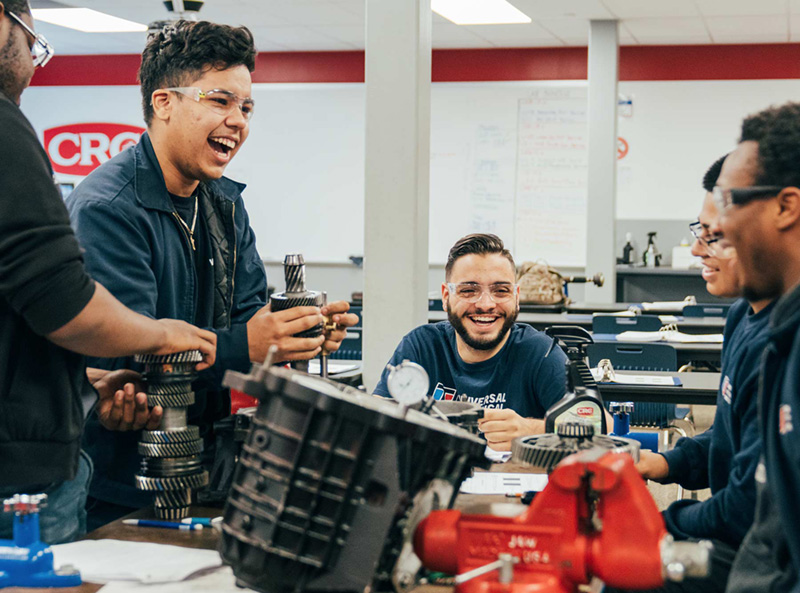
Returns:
<point x="501" y="426"/>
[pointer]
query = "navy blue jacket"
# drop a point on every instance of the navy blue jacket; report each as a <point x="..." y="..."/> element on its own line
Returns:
<point x="724" y="457"/>
<point x="136" y="247"/>
<point x="518" y="377"/>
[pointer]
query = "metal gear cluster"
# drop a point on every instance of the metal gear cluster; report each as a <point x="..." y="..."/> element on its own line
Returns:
<point x="296" y="295"/>
<point x="545" y="451"/>
<point x="171" y="465"/>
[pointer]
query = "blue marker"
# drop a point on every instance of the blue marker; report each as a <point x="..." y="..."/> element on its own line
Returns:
<point x="207" y="521"/>
<point x="161" y="524"/>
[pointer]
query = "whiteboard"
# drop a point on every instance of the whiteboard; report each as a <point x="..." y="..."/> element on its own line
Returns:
<point x="304" y="160"/>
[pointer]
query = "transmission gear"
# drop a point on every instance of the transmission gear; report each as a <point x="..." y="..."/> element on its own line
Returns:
<point x="545" y="451"/>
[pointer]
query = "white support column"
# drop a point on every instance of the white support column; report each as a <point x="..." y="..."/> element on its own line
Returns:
<point x="602" y="178"/>
<point x="398" y="75"/>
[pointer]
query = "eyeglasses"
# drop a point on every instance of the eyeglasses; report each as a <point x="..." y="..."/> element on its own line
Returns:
<point x="218" y="100"/>
<point x="725" y="197"/>
<point x="716" y="245"/>
<point x="41" y="50"/>
<point x="471" y="292"/>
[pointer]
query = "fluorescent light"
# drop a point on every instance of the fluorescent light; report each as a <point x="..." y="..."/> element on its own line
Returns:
<point x="86" y="20"/>
<point x="479" y="12"/>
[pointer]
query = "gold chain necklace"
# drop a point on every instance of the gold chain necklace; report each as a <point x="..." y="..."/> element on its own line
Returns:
<point x="194" y="223"/>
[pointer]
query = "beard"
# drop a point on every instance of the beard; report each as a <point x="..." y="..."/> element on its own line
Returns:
<point x="762" y="285"/>
<point x="483" y="342"/>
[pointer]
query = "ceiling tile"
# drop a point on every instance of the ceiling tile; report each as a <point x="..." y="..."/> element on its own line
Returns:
<point x="628" y="9"/>
<point x="447" y="31"/>
<point x="567" y="28"/>
<point x="349" y="34"/>
<point x="741" y="7"/>
<point x="314" y="13"/>
<point x="301" y="39"/>
<point x="646" y="28"/>
<point x="732" y="27"/>
<point x="794" y="6"/>
<point x="473" y="43"/>
<point x="584" y="9"/>
<point x="520" y="32"/>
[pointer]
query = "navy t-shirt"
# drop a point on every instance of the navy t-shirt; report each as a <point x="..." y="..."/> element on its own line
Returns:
<point x="517" y="377"/>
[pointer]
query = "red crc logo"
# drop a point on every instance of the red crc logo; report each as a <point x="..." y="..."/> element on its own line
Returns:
<point x="78" y="149"/>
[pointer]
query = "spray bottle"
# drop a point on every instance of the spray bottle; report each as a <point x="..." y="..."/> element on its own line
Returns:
<point x="651" y="256"/>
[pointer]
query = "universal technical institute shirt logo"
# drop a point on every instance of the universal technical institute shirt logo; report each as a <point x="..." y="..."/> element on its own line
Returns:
<point x="727" y="390"/>
<point x="492" y="400"/>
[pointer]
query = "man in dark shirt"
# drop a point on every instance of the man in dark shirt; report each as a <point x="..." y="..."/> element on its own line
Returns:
<point x="51" y="312"/>
<point x="725" y="456"/>
<point x="170" y="236"/>
<point x="758" y="195"/>
<point x="480" y="351"/>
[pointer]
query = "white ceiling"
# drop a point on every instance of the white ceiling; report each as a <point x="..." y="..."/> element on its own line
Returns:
<point x="316" y="25"/>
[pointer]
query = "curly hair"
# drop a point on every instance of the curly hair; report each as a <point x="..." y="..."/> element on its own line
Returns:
<point x="478" y="244"/>
<point x="18" y="7"/>
<point x="711" y="176"/>
<point x="777" y="131"/>
<point x="184" y="50"/>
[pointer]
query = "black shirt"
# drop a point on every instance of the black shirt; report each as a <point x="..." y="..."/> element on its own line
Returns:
<point x="43" y="286"/>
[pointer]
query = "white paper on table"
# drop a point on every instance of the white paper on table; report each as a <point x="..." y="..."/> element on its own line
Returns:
<point x="503" y="483"/>
<point x="497" y="456"/>
<point x="106" y="560"/>
<point x="676" y="306"/>
<point x="626" y="379"/>
<point x="664" y="318"/>
<point x="669" y="336"/>
<point x="214" y="580"/>
<point x="334" y="367"/>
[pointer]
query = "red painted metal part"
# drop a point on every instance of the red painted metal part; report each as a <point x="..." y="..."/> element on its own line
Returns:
<point x="556" y="544"/>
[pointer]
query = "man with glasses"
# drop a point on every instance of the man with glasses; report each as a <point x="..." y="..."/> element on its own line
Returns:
<point x="723" y="458"/>
<point x="480" y="351"/>
<point x="170" y="236"/>
<point x="52" y="313"/>
<point x="758" y="193"/>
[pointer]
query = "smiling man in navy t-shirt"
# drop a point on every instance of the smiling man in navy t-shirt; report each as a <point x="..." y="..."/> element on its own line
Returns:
<point x="480" y="351"/>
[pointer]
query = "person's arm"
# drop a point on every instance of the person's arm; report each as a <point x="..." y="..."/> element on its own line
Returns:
<point x="105" y="327"/>
<point x="728" y="514"/>
<point x="685" y="464"/>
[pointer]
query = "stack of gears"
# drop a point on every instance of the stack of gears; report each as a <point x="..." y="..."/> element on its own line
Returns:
<point x="544" y="451"/>
<point x="171" y="465"/>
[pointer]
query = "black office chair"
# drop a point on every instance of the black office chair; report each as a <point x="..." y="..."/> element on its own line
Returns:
<point x="614" y="324"/>
<point x="646" y="357"/>
<point x="720" y="310"/>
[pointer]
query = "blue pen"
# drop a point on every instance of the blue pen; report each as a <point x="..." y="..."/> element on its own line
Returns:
<point x="161" y="524"/>
<point x="207" y="521"/>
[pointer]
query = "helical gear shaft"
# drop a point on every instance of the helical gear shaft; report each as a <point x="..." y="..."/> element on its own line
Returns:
<point x="171" y="466"/>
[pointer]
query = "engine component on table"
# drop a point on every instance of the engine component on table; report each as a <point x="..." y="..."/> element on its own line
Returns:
<point x="545" y="451"/>
<point x="26" y="561"/>
<point x="296" y="295"/>
<point x="171" y="466"/>
<point x="461" y="413"/>
<point x="331" y="484"/>
<point x="595" y="518"/>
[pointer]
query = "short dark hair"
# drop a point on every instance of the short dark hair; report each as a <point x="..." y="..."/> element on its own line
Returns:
<point x="711" y="176"/>
<point x="17" y="6"/>
<point x="184" y="50"/>
<point x="777" y="131"/>
<point x="478" y="244"/>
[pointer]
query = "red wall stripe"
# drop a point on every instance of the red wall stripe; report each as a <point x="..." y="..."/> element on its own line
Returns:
<point x="685" y="62"/>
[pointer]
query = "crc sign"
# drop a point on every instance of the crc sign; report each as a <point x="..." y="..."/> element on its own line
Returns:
<point x="78" y="149"/>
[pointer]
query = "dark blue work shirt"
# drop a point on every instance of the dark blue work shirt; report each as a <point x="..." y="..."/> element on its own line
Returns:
<point x="518" y="377"/>
<point x="725" y="457"/>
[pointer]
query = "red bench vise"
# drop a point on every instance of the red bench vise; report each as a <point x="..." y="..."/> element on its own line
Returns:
<point x="595" y="518"/>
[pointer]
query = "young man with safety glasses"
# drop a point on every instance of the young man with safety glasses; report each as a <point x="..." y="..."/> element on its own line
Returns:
<point x="170" y="236"/>
<point x="723" y="458"/>
<point x="758" y="194"/>
<point x="52" y="313"/>
<point x="480" y="351"/>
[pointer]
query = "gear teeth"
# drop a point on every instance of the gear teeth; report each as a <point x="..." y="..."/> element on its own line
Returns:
<point x="197" y="480"/>
<point x="171" y="513"/>
<point x="175" y="358"/>
<point x="545" y="451"/>
<point x="168" y="388"/>
<point x="184" y="435"/>
<point x="175" y="400"/>
<point x="170" y="449"/>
